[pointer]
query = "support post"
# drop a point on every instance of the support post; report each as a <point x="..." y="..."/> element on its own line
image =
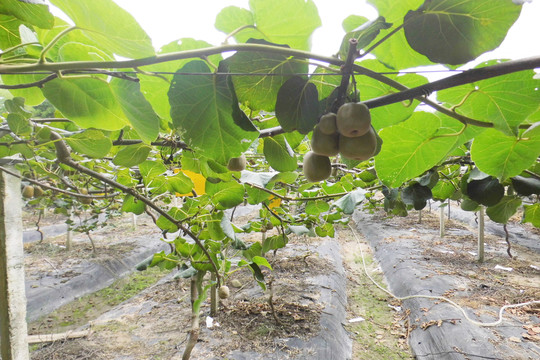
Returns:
<point x="69" y="234"/>
<point x="441" y="221"/>
<point x="481" y="234"/>
<point x="13" y="329"/>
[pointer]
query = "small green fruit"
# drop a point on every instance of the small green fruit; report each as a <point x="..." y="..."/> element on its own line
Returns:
<point x="224" y="292"/>
<point x="28" y="191"/>
<point x="38" y="191"/>
<point x="358" y="148"/>
<point x="327" y="124"/>
<point x="237" y="163"/>
<point x="84" y="200"/>
<point x="236" y="283"/>
<point x="323" y="144"/>
<point x="353" y="119"/>
<point x="316" y="167"/>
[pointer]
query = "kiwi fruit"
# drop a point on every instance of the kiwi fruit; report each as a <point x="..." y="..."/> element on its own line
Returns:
<point x="38" y="191"/>
<point x="84" y="200"/>
<point x="323" y="144"/>
<point x="327" y="124"/>
<point x="28" y="191"/>
<point x="353" y="119"/>
<point x="316" y="167"/>
<point x="224" y="292"/>
<point x="358" y="148"/>
<point x="237" y="163"/>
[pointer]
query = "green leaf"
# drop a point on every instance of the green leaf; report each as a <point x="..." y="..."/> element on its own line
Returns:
<point x="279" y="154"/>
<point x="395" y="51"/>
<point x="455" y="31"/>
<point x="297" y="105"/>
<point x="505" y="156"/>
<point x="90" y="142"/>
<point x="298" y="229"/>
<point x="416" y="195"/>
<point x="180" y="183"/>
<point x="19" y="124"/>
<point x="259" y="260"/>
<point x="325" y="81"/>
<point x="75" y="51"/>
<point x="443" y="190"/>
<point x="138" y="110"/>
<point x="30" y="11"/>
<point x="274" y="242"/>
<point x="33" y="95"/>
<point x="504" y="210"/>
<point x="260" y="92"/>
<point x="410" y="148"/>
<point x="9" y="31"/>
<point x="227" y="194"/>
<point x="526" y="186"/>
<point x="165" y="225"/>
<point x="288" y="22"/>
<point x="532" y="214"/>
<point x="364" y="35"/>
<point x="155" y="88"/>
<point x="469" y="205"/>
<point x="206" y="110"/>
<point x="352" y="22"/>
<point x="254" y="250"/>
<point x="487" y="191"/>
<point x="384" y="116"/>
<point x="87" y="102"/>
<point x="315" y="207"/>
<point x="131" y="155"/>
<point x="109" y="25"/>
<point x="150" y="170"/>
<point x="348" y="203"/>
<point x="506" y="100"/>
<point x="130" y="204"/>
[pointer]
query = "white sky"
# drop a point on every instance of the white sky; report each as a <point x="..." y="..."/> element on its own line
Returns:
<point x="168" y="20"/>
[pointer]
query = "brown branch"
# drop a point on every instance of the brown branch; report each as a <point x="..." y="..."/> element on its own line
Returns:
<point x="74" y="194"/>
<point x="63" y="156"/>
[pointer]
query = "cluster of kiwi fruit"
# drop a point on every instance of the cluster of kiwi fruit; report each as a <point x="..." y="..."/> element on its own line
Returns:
<point x="30" y="191"/>
<point x="348" y="133"/>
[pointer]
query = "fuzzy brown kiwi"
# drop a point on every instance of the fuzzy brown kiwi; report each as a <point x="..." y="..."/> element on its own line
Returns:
<point x="353" y="119"/>
<point x="28" y="191"/>
<point x="323" y="144"/>
<point x="358" y="148"/>
<point x="316" y="167"/>
<point x="237" y="163"/>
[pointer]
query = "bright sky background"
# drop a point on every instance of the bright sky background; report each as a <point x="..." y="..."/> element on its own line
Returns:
<point x="168" y="20"/>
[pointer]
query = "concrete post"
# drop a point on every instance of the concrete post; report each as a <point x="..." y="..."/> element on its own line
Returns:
<point x="13" y="328"/>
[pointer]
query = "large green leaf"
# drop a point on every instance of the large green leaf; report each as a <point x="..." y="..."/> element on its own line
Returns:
<point x="395" y="51"/>
<point x="532" y="214"/>
<point x="155" y="87"/>
<point x="109" y="25"/>
<point x="205" y="109"/>
<point x="34" y="12"/>
<point x="19" y="124"/>
<point x="130" y="204"/>
<point x="90" y="142"/>
<point x="227" y="194"/>
<point x="325" y="81"/>
<point x="416" y="195"/>
<point x="138" y="110"/>
<point x="9" y="31"/>
<point x="487" y="191"/>
<point x="87" y="102"/>
<point x="132" y="155"/>
<point x="504" y="210"/>
<point x="410" y="148"/>
<point x="260" y="92"/>
<point x="505" y="100"/>
<point x="348" y="203"/>
<point x="32" y="95"/>
<point x="297" y="105"/>
<point x="279" y="154"/>
<point x="456" y="31"/>
<point x="287" y="22"/>
<point x="505" y="156"/>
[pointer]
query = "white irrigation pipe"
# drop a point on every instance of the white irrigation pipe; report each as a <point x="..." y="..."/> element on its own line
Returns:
<point x="401" y="298"/>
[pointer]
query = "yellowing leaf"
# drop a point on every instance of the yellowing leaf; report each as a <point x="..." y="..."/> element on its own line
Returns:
<point x="198" y="180"/>
<point x="274" y="202"/>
